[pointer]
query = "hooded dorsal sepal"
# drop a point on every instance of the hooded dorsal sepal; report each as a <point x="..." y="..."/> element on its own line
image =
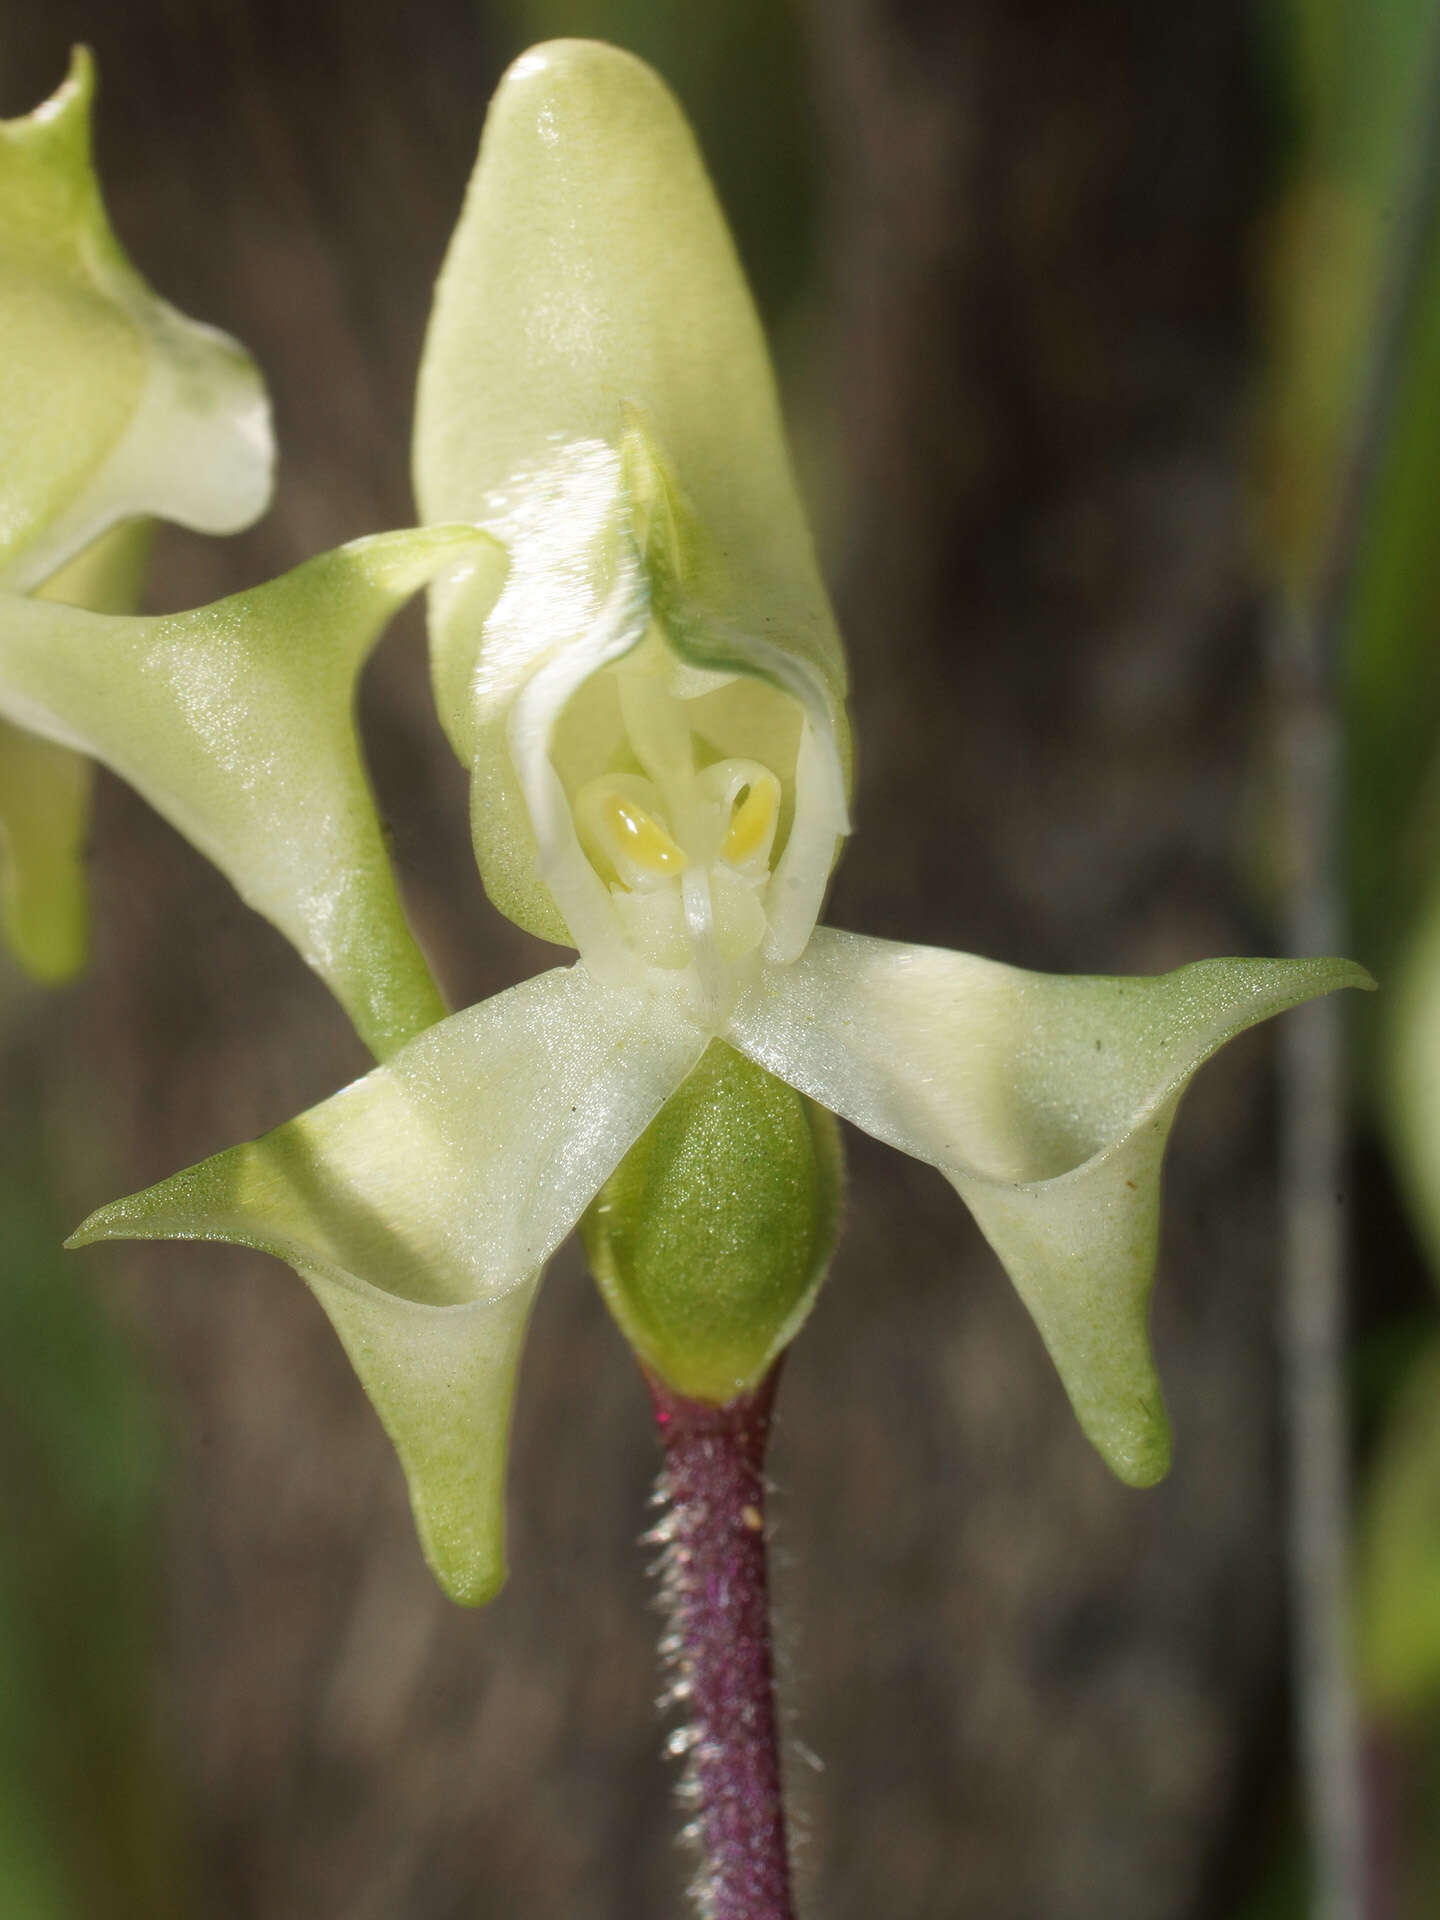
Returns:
<point x="596" y="392"/>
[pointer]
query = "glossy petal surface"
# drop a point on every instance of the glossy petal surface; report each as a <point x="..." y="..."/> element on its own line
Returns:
<point x="591" y="312"/>
<point x="1046" y="1101"/>
<point x="112" y="404"/>
<point x="1399" y="1551"/>
<point x="420" y="1205"/>
<point x="234" y="721"/>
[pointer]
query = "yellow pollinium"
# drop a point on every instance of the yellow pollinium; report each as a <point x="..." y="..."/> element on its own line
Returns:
<point x="640" y="836"/>
<point x="752" y="825"/>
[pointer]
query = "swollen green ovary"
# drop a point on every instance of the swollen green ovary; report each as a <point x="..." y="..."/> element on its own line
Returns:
<point x="685" y="852"/>
<point x="712" y="1236"/>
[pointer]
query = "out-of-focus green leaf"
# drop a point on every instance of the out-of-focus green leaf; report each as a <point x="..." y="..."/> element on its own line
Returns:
<point x="1359" y="74"/>
<point x="1354" y="73"/>
<point x="1399" y="1570"/>
<point x="1392" y="661"/>
<point x="45" y="788"/>
<point x="87" y="1817"/>
<point x="1364" y="72"/>
<point x="1367" y="77"/>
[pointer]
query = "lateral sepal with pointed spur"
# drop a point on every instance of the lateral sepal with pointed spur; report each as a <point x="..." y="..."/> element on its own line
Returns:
<point x="420" y="1205"/>
<point x="1046" y="1100"/>
<point x="235" y="722"/>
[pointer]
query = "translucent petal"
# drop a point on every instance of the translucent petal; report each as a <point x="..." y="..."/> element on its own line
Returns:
<point x="421" y="1203"/>
<point x="113" y="404"/>
<point x="591" y="312"/>
<point x="45" y="789"/>
<point x="1046" y="1100"/>
<point x="234" y="721"/>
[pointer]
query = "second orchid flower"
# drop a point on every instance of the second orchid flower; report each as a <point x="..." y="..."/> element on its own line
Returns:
<point x="635" y="658"/>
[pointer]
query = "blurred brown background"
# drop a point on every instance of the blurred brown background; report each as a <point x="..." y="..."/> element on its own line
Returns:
<point x="1005" y="247"/>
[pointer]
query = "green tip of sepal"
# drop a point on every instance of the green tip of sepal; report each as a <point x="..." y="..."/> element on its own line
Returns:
<point x="442" y="1379"/>
<point x="1134" y="1441"/>
<point x="710" y="1240"/>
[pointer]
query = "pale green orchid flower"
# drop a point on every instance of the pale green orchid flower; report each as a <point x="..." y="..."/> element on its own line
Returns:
<point x="113" y="408"/>
<point x="642" y="671"/>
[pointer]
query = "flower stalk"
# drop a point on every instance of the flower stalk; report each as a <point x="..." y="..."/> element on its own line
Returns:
<point x="717" y="1647"/>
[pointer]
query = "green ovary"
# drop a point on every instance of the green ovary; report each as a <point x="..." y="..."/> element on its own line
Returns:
<point x="711" y="1238"/>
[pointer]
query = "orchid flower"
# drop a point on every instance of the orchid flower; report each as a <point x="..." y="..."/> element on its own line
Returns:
<point x="114" y="407"/>
<point x="636" y="659"/>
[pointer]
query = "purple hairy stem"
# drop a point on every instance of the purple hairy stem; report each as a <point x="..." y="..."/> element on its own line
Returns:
<point x="714" y="1591"/>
